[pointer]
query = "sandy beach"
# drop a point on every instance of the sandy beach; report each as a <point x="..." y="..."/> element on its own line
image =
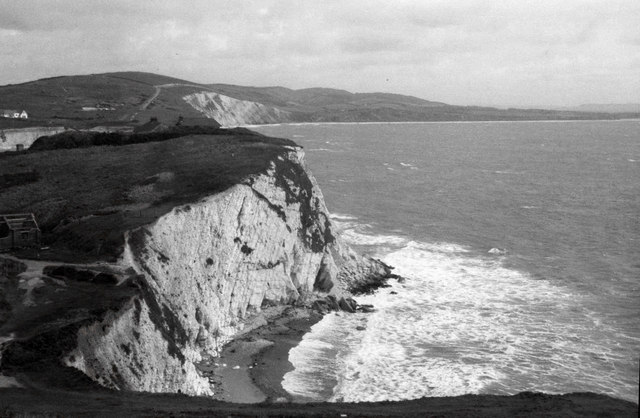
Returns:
<point x="250" y="369"/>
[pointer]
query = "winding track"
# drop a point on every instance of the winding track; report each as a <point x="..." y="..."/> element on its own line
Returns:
<point x="158" y="89"/>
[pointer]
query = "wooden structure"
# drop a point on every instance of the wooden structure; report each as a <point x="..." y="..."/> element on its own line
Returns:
<point x="19" y="230"/>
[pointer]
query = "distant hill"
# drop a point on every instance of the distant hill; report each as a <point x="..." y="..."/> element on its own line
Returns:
<point x="606" y="108"/>
<point x="132" y="98"/>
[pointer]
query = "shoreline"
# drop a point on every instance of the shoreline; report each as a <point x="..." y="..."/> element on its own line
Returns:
<point x="430" y="122"/>
<point x="251" y="368"/>
<point x="272" y="362"/>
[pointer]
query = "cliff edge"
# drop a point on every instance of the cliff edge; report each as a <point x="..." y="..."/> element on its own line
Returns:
<point x="207" y="258"/>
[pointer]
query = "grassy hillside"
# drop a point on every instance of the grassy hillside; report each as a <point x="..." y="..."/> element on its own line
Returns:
<point x="52" y="402"/>
<point x="64" y="97"/>
<point x="60" y="100"/>
<point x="85" y="198"/>
<point x="330" y="105"/>
<point x="309" y="100"/>
<point x="131" y="98"/>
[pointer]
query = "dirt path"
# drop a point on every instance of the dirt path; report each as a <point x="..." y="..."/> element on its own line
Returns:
<point x="164" y="86"/>
<point x="146" y="104"/>
<point x="158" y="89"/>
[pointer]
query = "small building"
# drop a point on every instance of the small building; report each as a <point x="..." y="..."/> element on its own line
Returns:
<point x="14" y="114"/>
<point x="19" y="230"/>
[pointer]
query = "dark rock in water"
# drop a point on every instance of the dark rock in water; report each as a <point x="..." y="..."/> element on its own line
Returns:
<point x="372" y="281"/>
<point x="333" y="303"/>
<point x="393" y="292"/>
<point x="320" y="306"/>
<point x="348" y="305"/>
<point x="366" y="308"/>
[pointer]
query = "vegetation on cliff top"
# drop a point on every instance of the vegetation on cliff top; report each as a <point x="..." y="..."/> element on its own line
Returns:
<point x="84" y="139"/>
<point x="85" y="198"/>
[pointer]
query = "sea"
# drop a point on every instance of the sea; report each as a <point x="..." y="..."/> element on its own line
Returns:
<point x="520" y="245"/>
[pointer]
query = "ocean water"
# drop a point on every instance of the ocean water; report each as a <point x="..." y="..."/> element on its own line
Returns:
<point x="520" y="242"/>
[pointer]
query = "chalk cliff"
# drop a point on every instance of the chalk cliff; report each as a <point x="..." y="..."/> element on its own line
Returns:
<point x="206" y="268"/>
<point x="230" y="112"/>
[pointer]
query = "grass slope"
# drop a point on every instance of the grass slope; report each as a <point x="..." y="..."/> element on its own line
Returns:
<point x="60" y="100"/>
<point x="136" y="96"/>
<point x="85" y="198"/>
<point x="47" y="402"/>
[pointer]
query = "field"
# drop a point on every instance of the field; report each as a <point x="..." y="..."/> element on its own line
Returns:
<point x="59" y="100"/>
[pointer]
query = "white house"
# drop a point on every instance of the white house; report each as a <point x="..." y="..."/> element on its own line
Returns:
<point x="14" y="114"/>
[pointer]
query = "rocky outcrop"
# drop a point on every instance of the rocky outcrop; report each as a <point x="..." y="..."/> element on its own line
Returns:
<point x="11" y="138"/>
<point x="230" y="112"/>
<point x="205" y="269"/>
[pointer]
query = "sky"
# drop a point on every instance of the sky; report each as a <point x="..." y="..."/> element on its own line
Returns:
<point x="504" y="53"/>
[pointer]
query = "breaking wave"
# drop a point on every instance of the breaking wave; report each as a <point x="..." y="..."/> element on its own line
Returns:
<point x="461" y="323"/>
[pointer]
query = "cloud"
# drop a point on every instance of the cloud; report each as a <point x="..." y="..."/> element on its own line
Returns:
<point x="371" y="43"/>
<point x="459" y="51"/>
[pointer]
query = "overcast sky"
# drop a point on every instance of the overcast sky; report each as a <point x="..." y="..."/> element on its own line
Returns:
<point x="511" y="52"/>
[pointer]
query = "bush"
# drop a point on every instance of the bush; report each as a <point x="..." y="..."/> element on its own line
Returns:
<point x="84" y="139"/>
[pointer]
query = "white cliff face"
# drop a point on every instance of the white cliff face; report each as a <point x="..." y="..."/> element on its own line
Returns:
<point x="128" y="351"/>
<point x="207" y="267"/>
<point x="230" y="112"/>
<point x="9" y="138"/>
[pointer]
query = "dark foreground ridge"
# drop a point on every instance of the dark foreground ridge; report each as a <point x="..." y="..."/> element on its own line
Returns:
<point x="42" y="402"/>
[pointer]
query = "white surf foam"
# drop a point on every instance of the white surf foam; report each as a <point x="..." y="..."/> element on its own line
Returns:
<point x="409" y="166"/>
<point x="355" y="237"/>
<point x="459" y="324"/>
<point x="317" y="369"/>
<point x="497" y="251"/>
<point x="359" y="234"/>
<point x="342" y="217"/>
<point x="507" y="172"/>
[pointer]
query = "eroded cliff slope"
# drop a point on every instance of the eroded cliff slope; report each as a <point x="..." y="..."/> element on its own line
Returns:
<point x="234" y="112"/>
<point x="206" y="268"/>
